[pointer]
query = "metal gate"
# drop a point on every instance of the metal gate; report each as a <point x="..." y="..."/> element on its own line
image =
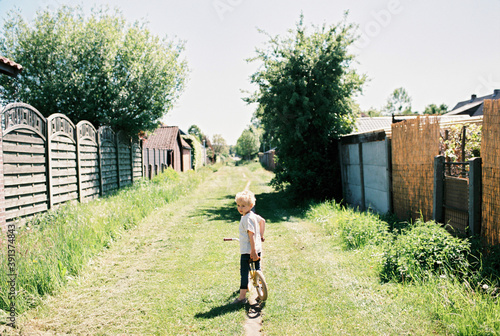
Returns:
<point x="456" y="197"/>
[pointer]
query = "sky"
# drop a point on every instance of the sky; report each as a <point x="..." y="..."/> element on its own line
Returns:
<point x="440" y="51"/>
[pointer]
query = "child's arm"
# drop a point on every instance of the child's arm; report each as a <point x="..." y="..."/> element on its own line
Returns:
<point x="253" y="253"/>
<point x="262" y="225"/>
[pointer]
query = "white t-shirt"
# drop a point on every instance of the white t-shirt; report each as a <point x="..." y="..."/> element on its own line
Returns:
<point x="249" y="222"/>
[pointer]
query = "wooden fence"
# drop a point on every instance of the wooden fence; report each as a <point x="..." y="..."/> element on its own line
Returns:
<point x="155" y="161"/>
<point x="49" y="161"/>
<point x="490" y="150"/>
<point x="415" y="143"/>
<point x="268" y="159"/>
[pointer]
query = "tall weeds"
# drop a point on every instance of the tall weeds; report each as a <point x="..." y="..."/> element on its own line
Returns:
<point x="451" y="276"/>
<point x="54" y="247"/>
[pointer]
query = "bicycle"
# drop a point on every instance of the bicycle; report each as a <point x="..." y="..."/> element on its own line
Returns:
<point x="257" y="278"/>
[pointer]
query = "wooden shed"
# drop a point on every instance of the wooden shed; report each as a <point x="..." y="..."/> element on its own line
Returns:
<point x="173" y="150"/>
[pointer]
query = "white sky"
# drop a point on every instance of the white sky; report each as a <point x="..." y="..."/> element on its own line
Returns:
<point x="440" y="51"/>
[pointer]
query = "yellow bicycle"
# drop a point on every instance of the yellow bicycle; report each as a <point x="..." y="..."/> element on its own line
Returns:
<point x="257" y="278"/>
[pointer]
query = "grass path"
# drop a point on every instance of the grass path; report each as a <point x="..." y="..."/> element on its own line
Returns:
<point x="173" y="275"/>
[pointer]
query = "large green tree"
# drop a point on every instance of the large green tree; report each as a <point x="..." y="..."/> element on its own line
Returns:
<point x="306" y="85"/>
<point x="248" y="143"/>
<point x="98" y="67"/>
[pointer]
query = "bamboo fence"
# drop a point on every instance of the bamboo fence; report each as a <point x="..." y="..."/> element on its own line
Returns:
<point x="490" y="151"/>
<point x="415" y="143"/>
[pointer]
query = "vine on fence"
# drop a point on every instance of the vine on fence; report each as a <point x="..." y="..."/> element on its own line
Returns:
<point x="456" y="148"/>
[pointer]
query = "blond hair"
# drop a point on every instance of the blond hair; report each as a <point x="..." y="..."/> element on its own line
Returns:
<point x="246" y="197"/>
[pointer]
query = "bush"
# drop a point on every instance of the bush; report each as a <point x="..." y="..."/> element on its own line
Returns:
<point x="358" y="229"/>
<point x="355" y="229"/>
<point x="424" y="250"/>
<point x="168" y="175"/>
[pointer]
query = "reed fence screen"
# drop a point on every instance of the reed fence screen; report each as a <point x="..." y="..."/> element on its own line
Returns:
<point x="415" y="143"/>
<point x="49" y="161"/>
<point x="490" y="153"/>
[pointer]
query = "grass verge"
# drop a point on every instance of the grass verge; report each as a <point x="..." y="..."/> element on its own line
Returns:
<point x="433" y="267"/>
<point x="52" y="248"/>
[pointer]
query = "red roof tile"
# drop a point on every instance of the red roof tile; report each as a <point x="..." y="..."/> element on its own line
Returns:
<point x="10" y="63"/>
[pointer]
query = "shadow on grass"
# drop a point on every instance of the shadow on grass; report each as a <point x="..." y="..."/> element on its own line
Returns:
<point x="221" y="310"/>
<point x="273" y="206"/>
<point x="253" y="311"/>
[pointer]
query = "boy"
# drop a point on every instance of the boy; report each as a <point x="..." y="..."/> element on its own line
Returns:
<point x="251" y="236"/>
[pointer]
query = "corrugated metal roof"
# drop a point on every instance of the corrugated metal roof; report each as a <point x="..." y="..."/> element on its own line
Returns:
<point x="369" y="124"/>
<point x="372" y="124"/>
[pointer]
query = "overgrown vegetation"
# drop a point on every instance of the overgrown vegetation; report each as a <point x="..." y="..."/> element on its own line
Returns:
<point x="452" y="141"/>
<point x="54" y="247"/>
<point x="422" y="251"/>
<point x="454" y="277"/>
<point x="306" y="84"/>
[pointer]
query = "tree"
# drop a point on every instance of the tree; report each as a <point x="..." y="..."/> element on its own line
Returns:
<point x="248" y="143"/>
<point x="101" y="68"/>
<point x="434" y="109"/>
<point x="196" y="131"/>
<point x="305" y="88"/>
<point x="371" y="112"/>
<point x="219" y="145"/>
<point x="399" y="102"/>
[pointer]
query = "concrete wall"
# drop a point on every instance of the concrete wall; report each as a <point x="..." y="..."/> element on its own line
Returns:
<point x="366" y="174"/>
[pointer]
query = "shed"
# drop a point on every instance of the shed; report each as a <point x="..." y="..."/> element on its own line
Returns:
<point x="176" y="152"/>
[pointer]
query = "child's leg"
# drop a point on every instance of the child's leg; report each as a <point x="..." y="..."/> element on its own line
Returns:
<point x="244" y="270"/>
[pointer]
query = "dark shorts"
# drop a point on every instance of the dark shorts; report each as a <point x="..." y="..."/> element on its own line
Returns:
<point x="245" y="269"/>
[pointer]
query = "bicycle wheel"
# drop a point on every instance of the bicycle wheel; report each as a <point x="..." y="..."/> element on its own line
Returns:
<point x="261" y="285"/>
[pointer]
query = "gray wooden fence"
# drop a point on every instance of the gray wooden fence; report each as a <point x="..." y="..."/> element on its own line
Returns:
<point x="49" y="161"/>
<point x="155" y="161"/>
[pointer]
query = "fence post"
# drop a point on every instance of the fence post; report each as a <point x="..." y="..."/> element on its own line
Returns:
<point x="343" y="174"/>
<point x="475" y="194"/>
<point x="361" y="176"/>
<point x="132" y="160"/>
<point x="99" y="158"/>
<point x="437" y="213"/>
<point x="78" y="165"/>
<point x="389" y="174"/>
<point x="3" y="214"/>
<point x="117" y="146"/>
<point x="48" y="167"/>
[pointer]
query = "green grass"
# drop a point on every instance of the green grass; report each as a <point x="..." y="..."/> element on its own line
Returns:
<point x="172" y="274"/>
<point x="432" y="260"/>
<point x="52" y="248"/>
